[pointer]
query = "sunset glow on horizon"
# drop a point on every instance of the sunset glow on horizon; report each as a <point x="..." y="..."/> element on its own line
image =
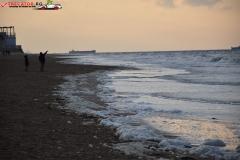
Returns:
<point x="126" y="25"/>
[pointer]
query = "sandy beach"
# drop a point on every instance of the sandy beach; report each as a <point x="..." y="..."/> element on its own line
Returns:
<point x="32" y="127"/>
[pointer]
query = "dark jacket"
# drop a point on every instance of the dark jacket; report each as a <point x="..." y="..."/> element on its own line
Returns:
<point x="42" y="57"/>
<point x="26" y="60"/>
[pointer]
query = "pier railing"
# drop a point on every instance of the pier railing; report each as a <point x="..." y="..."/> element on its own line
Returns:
<point x="5" y="34"/>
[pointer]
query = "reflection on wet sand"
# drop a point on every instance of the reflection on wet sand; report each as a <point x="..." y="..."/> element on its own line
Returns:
<point x="195" y="131"/>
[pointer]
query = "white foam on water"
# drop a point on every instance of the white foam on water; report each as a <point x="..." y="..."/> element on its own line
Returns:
<point x="170" y="95"/>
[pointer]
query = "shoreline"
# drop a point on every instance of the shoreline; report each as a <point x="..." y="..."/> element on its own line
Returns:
<point x="33" y="126"/>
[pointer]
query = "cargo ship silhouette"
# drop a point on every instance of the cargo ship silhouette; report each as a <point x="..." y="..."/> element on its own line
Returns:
<point x="235" y="48"/>
<point x="91" y="51"/>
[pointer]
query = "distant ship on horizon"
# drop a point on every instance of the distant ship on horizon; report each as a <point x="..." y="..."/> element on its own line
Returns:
<point x="235" y="48"/>
<point x="91" y="51"/>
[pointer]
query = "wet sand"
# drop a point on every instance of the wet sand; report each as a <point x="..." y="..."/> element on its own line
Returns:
<point x="32" y="127"/>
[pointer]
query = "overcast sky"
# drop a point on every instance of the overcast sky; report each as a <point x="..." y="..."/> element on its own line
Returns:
<point x="126" y="25"/>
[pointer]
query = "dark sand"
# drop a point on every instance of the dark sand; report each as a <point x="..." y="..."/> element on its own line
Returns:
<point x="31" y="125"/>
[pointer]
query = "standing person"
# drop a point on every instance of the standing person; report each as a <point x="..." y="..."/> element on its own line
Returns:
<point x="3" y="52"/>
<point x="42" y="60"/>
<point x="26" y="62"/>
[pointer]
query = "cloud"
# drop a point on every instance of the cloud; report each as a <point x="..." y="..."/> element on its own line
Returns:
<point x="166" y="3"/>
<point x="225" y="8"/>
<point x="195" y="3"/>
<point x="208" y="3"/>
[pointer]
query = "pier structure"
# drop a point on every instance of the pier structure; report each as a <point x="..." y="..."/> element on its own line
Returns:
<point x="8" y="40"/>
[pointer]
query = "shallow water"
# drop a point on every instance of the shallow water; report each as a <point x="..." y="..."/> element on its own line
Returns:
<point x="191" y="94"/>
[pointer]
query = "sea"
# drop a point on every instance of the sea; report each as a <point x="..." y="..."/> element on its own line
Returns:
<point x="182" y="102"/>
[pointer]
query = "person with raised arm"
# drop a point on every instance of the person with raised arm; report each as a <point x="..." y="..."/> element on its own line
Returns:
<point x="42" y="60"/>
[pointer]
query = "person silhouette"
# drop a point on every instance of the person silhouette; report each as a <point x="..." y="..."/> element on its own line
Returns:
<point x="26" y="62"/>
<point x="42" y="60"/>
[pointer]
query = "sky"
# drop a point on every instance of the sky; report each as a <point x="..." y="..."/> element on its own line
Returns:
<point x="126" y="25"/>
